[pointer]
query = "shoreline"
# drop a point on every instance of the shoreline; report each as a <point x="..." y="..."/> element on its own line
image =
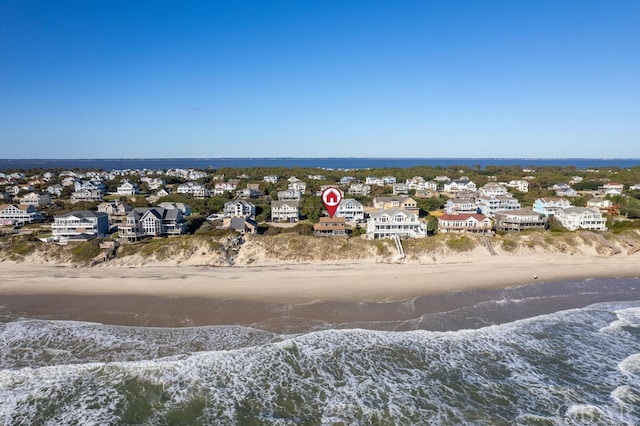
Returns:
<point x="280" y="296"/>
<point x="308" y="283"/>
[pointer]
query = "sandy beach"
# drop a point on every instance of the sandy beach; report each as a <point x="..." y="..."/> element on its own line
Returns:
<point x="194" y="295"/>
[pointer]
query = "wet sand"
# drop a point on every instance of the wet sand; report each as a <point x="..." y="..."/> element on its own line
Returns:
<point x="282" y="297"/>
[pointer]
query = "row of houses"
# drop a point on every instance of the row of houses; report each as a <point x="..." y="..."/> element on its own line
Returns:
<point x="572" y="218"/>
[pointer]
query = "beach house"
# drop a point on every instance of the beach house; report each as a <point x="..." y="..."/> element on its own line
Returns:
<point x="148" y="222"/>
<point x="395" y="222"/>
<point x="519" y="220"/>
<point x="399" y="202"/>
<point x="19" y="214"/>
<point x="466" y="222"/>
<point x="239" y="208"/>
<point x="285" y="211"/>
<point x="350" y="210"/>
<point x="330" y="227"/>
<point x="574" y="218"/>
<point x="80" y="225"/>
<point x="548" y="206"/>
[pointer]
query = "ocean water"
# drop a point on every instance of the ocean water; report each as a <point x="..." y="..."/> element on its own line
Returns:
<point x="578" y="366"/>
<point x="324" y="163"/>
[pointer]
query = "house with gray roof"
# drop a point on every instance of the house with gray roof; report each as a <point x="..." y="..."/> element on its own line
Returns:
<point x="149" y="222"/>
<point x="80" y="225"/>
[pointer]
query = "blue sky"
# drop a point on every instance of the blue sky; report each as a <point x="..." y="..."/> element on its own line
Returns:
<point x="122" y="79"/>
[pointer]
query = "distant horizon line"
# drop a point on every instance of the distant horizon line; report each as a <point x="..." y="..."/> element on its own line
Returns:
<point x="318" y="158"/>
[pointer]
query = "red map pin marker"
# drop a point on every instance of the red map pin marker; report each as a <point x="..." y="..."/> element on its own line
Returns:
<point x="331" y="198"/>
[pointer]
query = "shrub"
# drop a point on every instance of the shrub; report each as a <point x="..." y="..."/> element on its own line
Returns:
<point x="84" y="252"/>
<point x="509" y="245"/>
<point x="461" y="243"/>
<point x="623" y="225"/>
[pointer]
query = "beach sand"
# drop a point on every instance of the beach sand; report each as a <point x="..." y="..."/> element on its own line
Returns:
<point x="192" y="295"/>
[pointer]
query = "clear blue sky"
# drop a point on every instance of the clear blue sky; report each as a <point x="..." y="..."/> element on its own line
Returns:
<point x="517" y="78"/>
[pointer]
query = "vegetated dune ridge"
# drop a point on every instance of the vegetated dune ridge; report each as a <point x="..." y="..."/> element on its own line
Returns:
<point x="285" y="269"/>
<point x="288" y="249"/>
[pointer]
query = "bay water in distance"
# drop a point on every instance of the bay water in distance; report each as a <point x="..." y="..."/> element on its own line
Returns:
<point x="323" y="163"/>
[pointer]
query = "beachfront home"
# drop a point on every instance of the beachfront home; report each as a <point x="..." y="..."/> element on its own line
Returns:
<point x="400" y="202"/>
<point x="548" y="206"/>
<point x="574" y="218"/>
<point x="350" y="210"/>
<point x="80" y="225"/>
<point x="148" y="222"/>
<point x="270" y="179"/>
<point x="466" y="222"/>
<point x="398" y="222"/>
<point x="239" y="208"/>
<point x="520" y="220"/>
<point x="461" y="206"/>
<point x="330" y="227"/>
<point x="19" y="214"/>
<point x="285" y="211"/>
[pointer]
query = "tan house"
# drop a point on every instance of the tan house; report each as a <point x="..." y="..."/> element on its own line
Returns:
<point x="470" y="222"/>
<point x="330" y="227"/>
<point x="520" y="220"/>
<point x="398" y="203"/>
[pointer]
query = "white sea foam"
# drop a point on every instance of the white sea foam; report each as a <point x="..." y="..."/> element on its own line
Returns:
<point x="497" y="374"/>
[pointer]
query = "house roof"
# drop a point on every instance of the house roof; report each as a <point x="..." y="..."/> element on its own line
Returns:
<point x="84" y="213"/>
<point x="329" y="220"/>
<point x="290" y="203"/>
<point x="463" y="216"/>
<point x="346" y="201"/>
<point x="552" y="199"/>
<point x="391" y="212"/>
<point x="520" y="212"/>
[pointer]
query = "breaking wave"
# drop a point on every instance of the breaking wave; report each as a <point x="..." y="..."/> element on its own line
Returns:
<point x="579" y="366"/>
